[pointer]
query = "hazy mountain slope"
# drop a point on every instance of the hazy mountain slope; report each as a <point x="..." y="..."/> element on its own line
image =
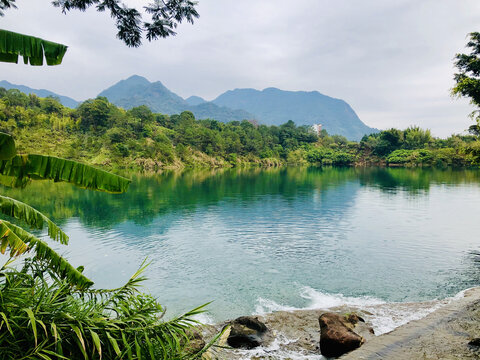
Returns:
<point x="209" y="110"/>
<point x="270" y="106"/>
<point x="65" y="100"/>
<point x="273" y="106"/>
<point x="136" y="91"/>
<point x="195" y="100"/>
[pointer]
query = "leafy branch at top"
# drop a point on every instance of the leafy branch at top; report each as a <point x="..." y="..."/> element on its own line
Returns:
<point x="6" y="4"/>
<point x="165" y="16"/>
<point x="468" y="78"/>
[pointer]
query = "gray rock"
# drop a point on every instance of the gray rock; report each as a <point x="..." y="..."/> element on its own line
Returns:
<point x="246" y="332"/>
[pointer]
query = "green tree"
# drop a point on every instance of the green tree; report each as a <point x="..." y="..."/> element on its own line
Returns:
<point x="388" y="141"/>
<point x="94" y="113"/>
<point x="468" y="78"/>
<point x="416" y="138"/>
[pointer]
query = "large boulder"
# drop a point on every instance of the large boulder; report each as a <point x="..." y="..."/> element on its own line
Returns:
<point x="336" y="334"/>
<point x="246" y="332"/>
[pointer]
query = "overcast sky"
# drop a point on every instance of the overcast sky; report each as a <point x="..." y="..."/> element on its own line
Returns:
<point x="391" y="60"/>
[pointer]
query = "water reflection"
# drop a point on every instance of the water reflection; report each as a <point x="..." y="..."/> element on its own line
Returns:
<point x="235" y="236"/>
<point x="154" y="195"/>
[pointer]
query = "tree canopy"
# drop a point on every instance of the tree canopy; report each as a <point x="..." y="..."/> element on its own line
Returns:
<point x="165" y="16"/>
<point x="468" y="78"/>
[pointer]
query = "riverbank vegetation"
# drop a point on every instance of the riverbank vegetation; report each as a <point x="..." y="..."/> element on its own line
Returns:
<point x="100" y="133"/>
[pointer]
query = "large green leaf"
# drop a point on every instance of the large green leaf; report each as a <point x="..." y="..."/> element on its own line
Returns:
<point x="57" y="169"/>
<point x="44" y="252"/>
<point x="9" y="240"/>
<point x="31" y="48"/>
<point x="7" y="147"/>
<point x="13" y="182"/>
<point x="32" y="217"/>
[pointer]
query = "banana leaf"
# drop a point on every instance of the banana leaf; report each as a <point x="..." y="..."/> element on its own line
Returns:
<point x="8" y="239"/>
<point x="32" y="217"/>
<point x="22" y="241"/>
<point x="57" y="169"/>
<point x="7" y="146"/>
<point x="32" y="49"/>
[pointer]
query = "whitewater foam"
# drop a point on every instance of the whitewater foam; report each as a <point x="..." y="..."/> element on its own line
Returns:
<point x="276" y="351"/>
<point x="317" y="300"/>
<point x="384" y="317"/>
<point x="204" y="318"/>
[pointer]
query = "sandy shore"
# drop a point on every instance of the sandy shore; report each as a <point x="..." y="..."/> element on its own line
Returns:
<point x="442" y="332"/>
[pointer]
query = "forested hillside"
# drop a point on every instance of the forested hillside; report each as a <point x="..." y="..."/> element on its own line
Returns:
<point x="100" y="133"/>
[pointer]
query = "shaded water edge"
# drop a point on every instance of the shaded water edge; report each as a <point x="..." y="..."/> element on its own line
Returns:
<point x="294" y="333"/>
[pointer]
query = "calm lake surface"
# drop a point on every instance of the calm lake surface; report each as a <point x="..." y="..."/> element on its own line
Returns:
<point x="262" y="240"/>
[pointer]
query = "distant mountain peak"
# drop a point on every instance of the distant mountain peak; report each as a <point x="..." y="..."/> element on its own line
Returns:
<point x="137" y="90"/>
<point x="195" y="100"/>
<point x="137" y="78"/>
<point x="271" y="89"/>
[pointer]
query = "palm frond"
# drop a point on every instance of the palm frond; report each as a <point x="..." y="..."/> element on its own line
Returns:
<point x="57" y="169"/>
<point x="32" y="217"/>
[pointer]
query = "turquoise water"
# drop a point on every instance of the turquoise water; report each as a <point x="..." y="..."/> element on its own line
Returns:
<point x="261" y="240"/>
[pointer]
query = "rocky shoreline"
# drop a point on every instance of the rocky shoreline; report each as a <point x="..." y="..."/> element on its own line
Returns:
<point x="447" y="329"/>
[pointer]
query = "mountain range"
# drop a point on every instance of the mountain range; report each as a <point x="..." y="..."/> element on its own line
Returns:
<point x="275" y="107"/>
<point x="137" y="90"/>
<point x="270" y="106"/>
<point x="65" y="100"/>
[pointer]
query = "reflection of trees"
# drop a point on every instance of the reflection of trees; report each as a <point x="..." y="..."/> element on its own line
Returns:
<point x="414" y="180"/>
<point x="154" y="195"/>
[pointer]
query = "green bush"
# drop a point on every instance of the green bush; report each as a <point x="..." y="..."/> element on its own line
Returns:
<point x="400" y="156"/>
<point x="342" y="158"/>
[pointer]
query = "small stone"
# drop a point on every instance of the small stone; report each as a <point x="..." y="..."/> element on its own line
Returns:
<point x="474" y="342"/>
